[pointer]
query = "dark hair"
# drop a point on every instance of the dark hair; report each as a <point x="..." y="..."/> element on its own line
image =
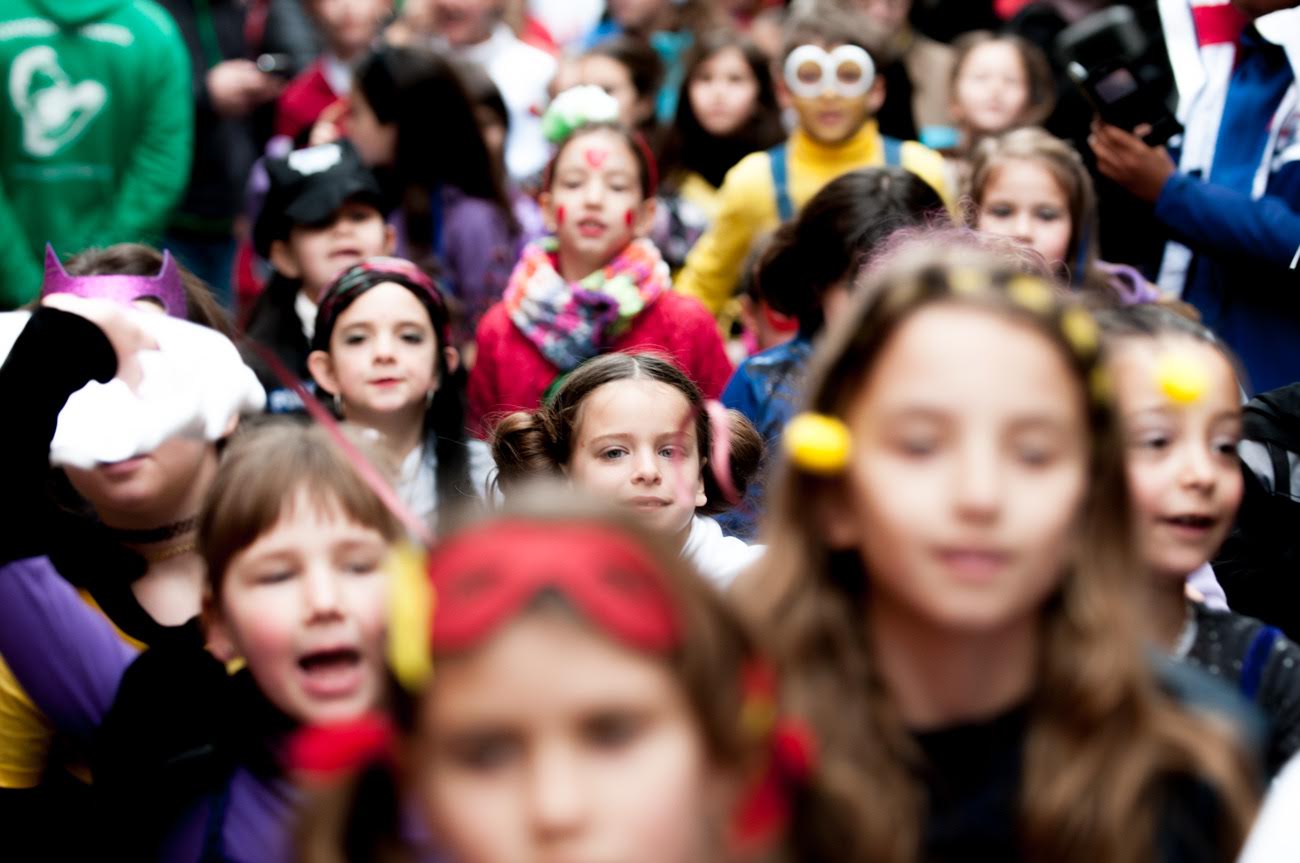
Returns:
<point x="644" y="67"/>
<point x="531" y="444"/>
<point x="438" y="137"/>
<point x="832" y="25"/>
<point x="836" y="232"/>
<point x="444" y="420"/>
<point x="135" y="259"/>
<point x="645" y="159"/>
<point x="1040" y="83"/>
<point x="482" y="91"/>
<point x="689" y="147"/>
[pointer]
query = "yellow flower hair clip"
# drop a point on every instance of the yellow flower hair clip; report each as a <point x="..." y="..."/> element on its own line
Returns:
<point x="1182" y="377"/>
<point x="1080" y="331"/>
<point x="817" y="443"/>
<point x="410" y="601"/>
<point x="967" y="282"/>
<point x="1099" y="385"/>
<point x="1031" y="293"/>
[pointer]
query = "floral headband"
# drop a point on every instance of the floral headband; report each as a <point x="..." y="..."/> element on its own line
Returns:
<point x="588" y="105"/>
<point x="820" y="444"/>
<point x="361" y="277"/>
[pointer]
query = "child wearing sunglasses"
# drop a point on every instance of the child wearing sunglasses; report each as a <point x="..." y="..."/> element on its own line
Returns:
<point x="831" y="82"/>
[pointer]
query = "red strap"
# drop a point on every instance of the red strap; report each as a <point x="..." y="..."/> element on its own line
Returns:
<point x="1218" y="25"/>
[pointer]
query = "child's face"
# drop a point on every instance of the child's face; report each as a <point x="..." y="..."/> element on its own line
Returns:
<point x="635" y="444"/>
<point x="723" y="92"/>
<point x="551" y="742"/>
<point x="1022" y="200"/>
<point x="464" y="22"/>
<point x="376" y="142"/>
<point x="595" y="206"/>
<point x="831" y="117"/>
<point x="991" y="91"/>
<point x="383" y="355"/>
<point x="639" y="16"/>
<point x="615" y="79"/>
<point x="317" y="253"/>
<point x="1183" y="471"/>
<point x="306" y="606"/>
<point x="350" y="26"/>
<point x="969" y="471"/>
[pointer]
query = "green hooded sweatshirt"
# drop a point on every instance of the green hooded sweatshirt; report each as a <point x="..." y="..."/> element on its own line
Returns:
<point x="96" y="129"/>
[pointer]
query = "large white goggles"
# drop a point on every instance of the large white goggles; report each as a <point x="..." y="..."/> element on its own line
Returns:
<point x="811" y="71"/>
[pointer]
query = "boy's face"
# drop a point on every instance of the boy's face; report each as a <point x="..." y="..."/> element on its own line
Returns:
<point x="825" y="90"/>
<point x="349" y="26"/>
<point x="464" y="22"/>
<point x="317" y="253"/>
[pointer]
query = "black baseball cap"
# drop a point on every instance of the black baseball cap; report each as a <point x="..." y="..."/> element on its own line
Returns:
<point x="308" y="186"/>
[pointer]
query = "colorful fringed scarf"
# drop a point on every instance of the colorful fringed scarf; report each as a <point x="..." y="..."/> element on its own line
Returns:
<point x="570" y="322"/>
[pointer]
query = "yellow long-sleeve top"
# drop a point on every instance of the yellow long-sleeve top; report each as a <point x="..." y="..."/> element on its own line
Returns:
<point x="747" y="202"/>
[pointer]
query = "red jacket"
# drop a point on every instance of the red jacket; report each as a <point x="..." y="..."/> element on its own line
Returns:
<point x="511" y="374"/>
<point x="302" y="101"/>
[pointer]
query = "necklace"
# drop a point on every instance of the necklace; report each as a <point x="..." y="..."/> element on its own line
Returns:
<point x="151" y="535"/>
<point x="169" y="553"/>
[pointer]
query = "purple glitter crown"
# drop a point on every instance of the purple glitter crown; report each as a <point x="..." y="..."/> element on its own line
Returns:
<point x="165" y="287"/>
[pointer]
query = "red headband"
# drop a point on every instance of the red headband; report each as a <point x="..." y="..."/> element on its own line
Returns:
<point x="485" y="576"/>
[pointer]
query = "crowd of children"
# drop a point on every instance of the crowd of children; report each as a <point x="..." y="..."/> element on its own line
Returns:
<point x="654" y="431"/>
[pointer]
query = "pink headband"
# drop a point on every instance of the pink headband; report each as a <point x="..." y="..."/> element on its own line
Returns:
<point x="165" y="287"/>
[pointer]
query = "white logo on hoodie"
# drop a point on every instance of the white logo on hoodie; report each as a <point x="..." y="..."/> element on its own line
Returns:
<point x="55" y="112"/>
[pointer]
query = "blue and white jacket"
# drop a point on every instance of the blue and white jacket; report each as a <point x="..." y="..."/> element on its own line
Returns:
<point x="1234" y="204"/>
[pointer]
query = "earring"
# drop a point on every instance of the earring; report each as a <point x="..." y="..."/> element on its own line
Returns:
<point x="338" y="404"/>
<point x="428" y="399"/>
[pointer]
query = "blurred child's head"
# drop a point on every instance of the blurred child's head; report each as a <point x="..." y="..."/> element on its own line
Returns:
<point x="465" y="22"/>
<point x="829" y="73"/>
<point x="323" y="213"/>
<point x="410" y="116"/>
<point x="811" y="263"/>
<point x="598" y="189"/>
<point x="727" y="85"/>
<point x="644" y="17"/>
<point x="167" y="484"/>
<point x="294" y="540"/>
<point x="349" y="26"/>
<point x="1032" y="186"/>
<point x="381" y="342"/>
<point x="999" y="82"/>
<point x="632" y="429"/>
<point x="489" y="109"/>
<point x="629" y="69"/>
<point x="587" y="696"/>
<point x="890" y="16"/>
<point x="1180" y="407"/>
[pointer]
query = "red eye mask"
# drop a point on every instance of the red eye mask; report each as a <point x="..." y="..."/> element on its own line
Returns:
<point x="486" y="576"/>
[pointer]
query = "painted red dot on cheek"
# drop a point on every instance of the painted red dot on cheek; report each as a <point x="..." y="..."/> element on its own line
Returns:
<point x="559" y="216"/>
<point x="629" y="217"/>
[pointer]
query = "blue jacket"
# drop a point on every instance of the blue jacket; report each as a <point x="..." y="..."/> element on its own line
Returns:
<point x="1242" y="224"/>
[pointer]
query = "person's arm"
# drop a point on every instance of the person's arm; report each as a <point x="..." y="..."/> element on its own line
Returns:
<point x="67" y="657"/>
<point x="56" y="354"/>
<point x="714" y="265"/>
<point x="1212" y="218"/>
<point x="1279" y="696"/>
<point x="739" y="393"/>
<point x="158" y="165"/>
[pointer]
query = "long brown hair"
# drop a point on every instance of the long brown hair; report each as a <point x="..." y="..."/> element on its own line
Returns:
<point x="1101" y="737"/>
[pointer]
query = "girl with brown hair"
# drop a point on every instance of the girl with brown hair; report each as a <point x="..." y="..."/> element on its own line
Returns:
<point x="951" y="587"/>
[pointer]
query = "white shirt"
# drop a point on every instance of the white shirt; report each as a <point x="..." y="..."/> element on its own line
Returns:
<point x="306" y="311"/>
<point x="522" y="73"/>
<point x="417" y="484"/>
<point x="717" y="557"/>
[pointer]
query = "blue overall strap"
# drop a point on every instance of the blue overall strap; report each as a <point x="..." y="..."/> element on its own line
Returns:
<point x="1252" y="668"/>
<point x="893" y="151"/>
<point x="781" y="181"/>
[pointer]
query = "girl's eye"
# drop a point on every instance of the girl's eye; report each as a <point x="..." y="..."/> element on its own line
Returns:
<point x="278" y="576"/>
<point x="918" y="447"/>
<point x="1048" y="214"/>
<point x="999" y="211"/>
<point x="486" y="752"/>
<point x="1034" y="456"/>
<point x="413" y="337"/>
<point x="362" y="565"/>
<point x="1154" y="442"/>
<point x="1226" y="447"/>
<point x="353" y="338"/>
<point x="670" y="452"/>
<point x="612" y="730"/>
<point x="613" y="453"/>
